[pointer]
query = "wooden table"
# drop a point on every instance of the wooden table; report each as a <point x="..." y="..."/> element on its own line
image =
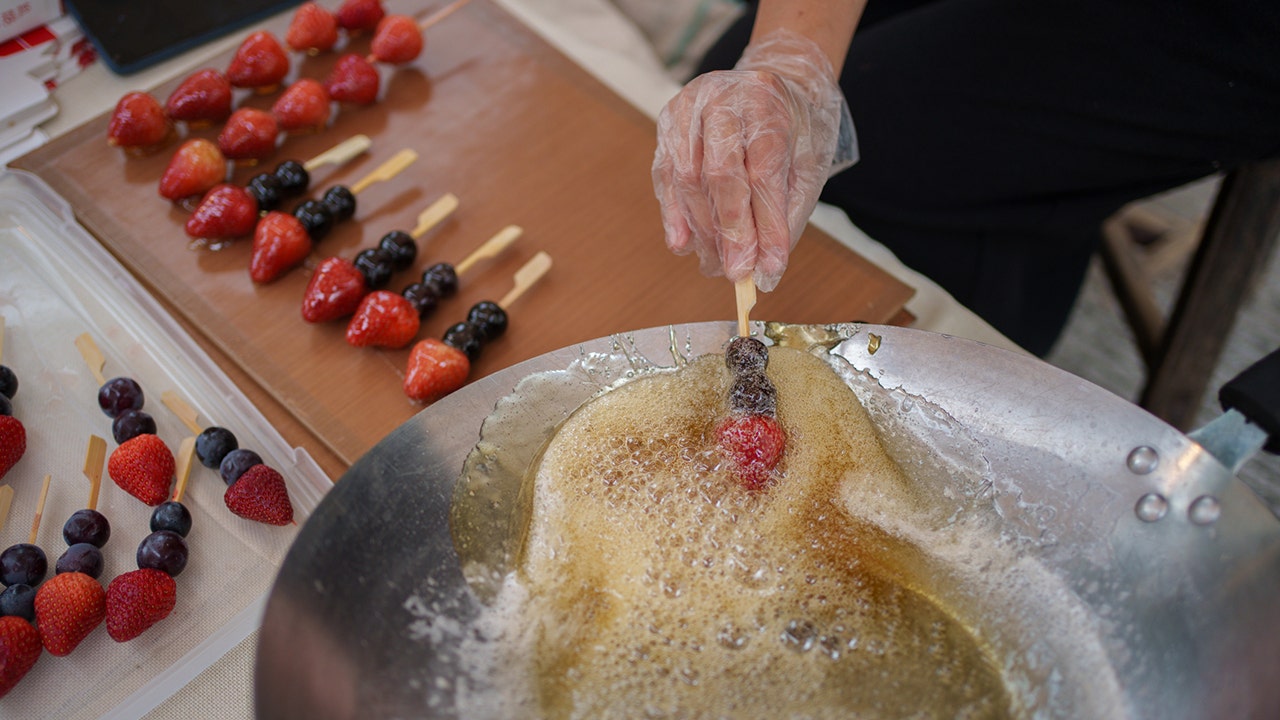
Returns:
<point x="521" y="135"/>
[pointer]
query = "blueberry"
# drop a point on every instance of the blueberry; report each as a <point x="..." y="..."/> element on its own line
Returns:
<point x="171" y="515"/>
<point x="745" y="355"/>
<point x="316" y="218"/>
<point x="130" y="424"/>
<point x="753" y="393"/>
<point x="422" y="297"/>
<point x="19" y="600"/>
<point x="293" y="177"/>
<point x="375" y="265"/>
<point x="8" y="382"/>
<point x="341" y="202"/>
<point x="236" y="462"/>
<point x="163" y="550"/>
<point x="267" y="190"/>
<point x="213" y="444"/>
<point x="402" y="248"/>
<point x="464" y="337"/>
<point x="86" y="526"/>
<point x="443" y="278"/>
<point x="23" y="563"/>
<point x="119" y="394"/>
<point x="488" y="318"/>
<point x="81" y="558"/>
<point x="6" y="405"/>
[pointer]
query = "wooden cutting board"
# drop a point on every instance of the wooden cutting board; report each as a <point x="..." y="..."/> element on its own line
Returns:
<point x="522" y="136"/>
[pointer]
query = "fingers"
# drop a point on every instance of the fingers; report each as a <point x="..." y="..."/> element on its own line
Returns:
<point x="728" y="190"/>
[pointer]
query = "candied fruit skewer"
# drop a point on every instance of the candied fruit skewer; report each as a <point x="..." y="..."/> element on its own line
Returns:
<point x="750" y="438"/>
<point x="399" y="39"/>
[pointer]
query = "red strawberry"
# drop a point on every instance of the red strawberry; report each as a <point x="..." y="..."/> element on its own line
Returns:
<point x="260" y="495"/>
<point x="753" y="444"/>
<point x="303" y="106"/>
<point x="358" y="15"/>
<point x="227" y="211"/>
<point x="204" y="98"/>
<point x="259" y="63"/>
<point x="279" y="244"/>
<point x="312" y="30"/>
<point x="19" y="650"/>
<point x="397" y="41"/>
<point x="13" y="442"/>
<point x="139" y="124"/>
<point x="384" y="319"/>
<point x="334" y="291"/>
<point x="194" y="169"/>
<point x="143" y="467"/>
<point x="353" y="80"/>
<point x="137" y="600"/>
<point x="250" y="134"/>
<point x="68" y="607"/>
<point x="435" y="370"/>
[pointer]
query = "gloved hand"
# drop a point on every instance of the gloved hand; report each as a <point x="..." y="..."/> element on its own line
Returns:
<point x="743" y="155"/>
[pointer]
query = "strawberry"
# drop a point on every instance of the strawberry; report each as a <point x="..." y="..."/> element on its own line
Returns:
<point x="279" y="243"/>
<point x="137" y="600"/>
<point x="203" y="98"/>
<point x="20" y="648"/>
<point x="334" y="291"/>
<point x="250" y="134"/>
<point x="360" y="15"/>
<point x="397" y="41"/>
<point x="259" y="63"/>
<point x="194" y="169"/>
<point x="260" y="495"/>
<point x="303" y="106"/>
<point x="13" y="442"/>
<point x="143" y="467"/>
<point x="68" y="607"/>
<point x="353" y="80"/>
<point x="435" y="370"/>
<point x="383" y="319"/>
<point x="753" y="444"/>
<point x="313" y="29"/>
<point x="227" y="211"/>
<point x="138" y="124"/>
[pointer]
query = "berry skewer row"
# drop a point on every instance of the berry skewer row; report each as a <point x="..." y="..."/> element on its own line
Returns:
<point x="437" y="368"/>
<point x="281" y="241"/>
<point x="13" y="434"/>
<point x="337" y="286"/>
<point x="385" y="319"/>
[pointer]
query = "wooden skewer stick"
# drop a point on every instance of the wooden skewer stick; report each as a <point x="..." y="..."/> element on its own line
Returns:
<point x="93" y="457"/>
<point x="186" y="456"/>
<point x="185" y="412"/>
<point x="92" y="356"/>
<point x="441" y="14"/>
<point x="490" y="248"/>
<point x="745" y="292"/>
<point x="341" y="153"/>
<point x="386" y="170"/>
<point x="435" y="213"/>
<point x="6" y="501"/>
<point x="530" y="273"/>
<point x="35" y="522"/>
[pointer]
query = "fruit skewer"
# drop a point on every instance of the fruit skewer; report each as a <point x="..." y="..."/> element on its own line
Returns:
<point x="86" y="530"/>
<point x="13" y="434"/>
<point x="337" y="285"/>
<point x="437" y="368"/>
<point x="20" y="641"/>
<point x="750" y="437"/>
<point x="399" y="39"/>
<point x="69" y="606"/>
<point x="24" y="565"/>
<point x="385" y="319"/>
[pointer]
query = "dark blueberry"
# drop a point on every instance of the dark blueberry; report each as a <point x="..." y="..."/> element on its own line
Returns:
<point x="86" y="526"/>
<point x="23" y="563"/>
<point x="422" y="297"/>
<point x="6" y="405"/>
<point x="163" y="550"/>
<point x="375" y="265"/>
<point x="213" y="444"/>
<point x="19" y="600"/>
<point x="488" y="318"/>
<point x="236" y="462"/>
<point x="130" y="424"/>
<point x="753" y="393"/>
<point x="119" y="394"/>
<point x="341" y="202"/>
<point x="316" y="218"/>
<point x="443" y="278"/>
<point x="402" y="248"/>
<point x="293" y="177"/>
<point x="82" y="558"/>
<point x="171" y="515"/>
<point x="745" y="355"/>
<point x="267" y="190"/>
<point x="464" y="337"/>
<point x="8" y="382"/>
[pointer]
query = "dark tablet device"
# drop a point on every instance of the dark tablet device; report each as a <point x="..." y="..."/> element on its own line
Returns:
<point x="132" y="35"/>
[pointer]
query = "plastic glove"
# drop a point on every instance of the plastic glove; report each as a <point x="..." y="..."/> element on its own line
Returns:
<point x="743" y="155"/>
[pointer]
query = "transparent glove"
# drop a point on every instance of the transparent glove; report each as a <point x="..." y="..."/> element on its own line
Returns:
<point x="743" y="155"/>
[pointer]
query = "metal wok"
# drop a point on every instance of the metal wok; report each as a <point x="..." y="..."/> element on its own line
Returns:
<point x="1166" y="564"/>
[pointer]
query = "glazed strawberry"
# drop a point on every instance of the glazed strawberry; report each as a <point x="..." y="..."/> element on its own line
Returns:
<point x="312" y="30"/>
<point x="13" y="442"/>
<point x="280" y="243"/>
<point x="360" y="15"/>
<point x="303" y="106"/>
<point x="250" y="134"/>
<point x="137" y="600"/>
<point x="227" y="211"/>
<point x="383" y="319"/>
<point x="259" y="63"/>
<point x="353" y="80"/>
<point x="397" y="41"/>
<point x="68" y="607"/>
<point x="334" y="291"/>
<point x="194" y="169"/>
<point x="139" y="123"/>
<point x="20" y="648"/>
<point x="203" y="98"/>
<point x="260" y="495"/>
<point x="143" y="467"/>
<point x="753" y="444"/>
<point x="435" y="370"/>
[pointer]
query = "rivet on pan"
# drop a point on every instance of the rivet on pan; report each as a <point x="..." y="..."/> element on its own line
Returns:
<point x="1151" y="507"/>
<point x="1204" y="510"/>
<point x="873" y="343"/>
<point x="1143" y="460"/>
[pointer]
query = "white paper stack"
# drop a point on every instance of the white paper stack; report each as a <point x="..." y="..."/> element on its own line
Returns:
<point x="31" y="66"/>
